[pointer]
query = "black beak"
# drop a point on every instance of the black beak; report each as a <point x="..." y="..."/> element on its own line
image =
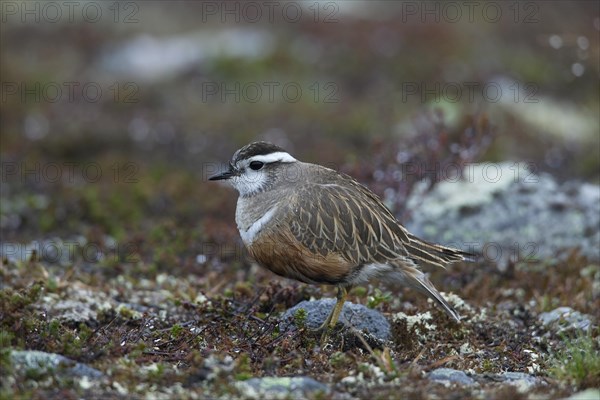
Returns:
<point x="231" y="172"/>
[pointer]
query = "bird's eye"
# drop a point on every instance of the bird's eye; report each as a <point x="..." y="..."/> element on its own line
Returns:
<point x="256" y="165"/>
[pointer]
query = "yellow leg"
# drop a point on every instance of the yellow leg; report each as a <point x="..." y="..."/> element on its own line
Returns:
<point x="337" y="309"/>
<point x="334" y="316"/>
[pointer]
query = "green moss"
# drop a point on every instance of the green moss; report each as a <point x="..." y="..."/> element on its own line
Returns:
<point x="548" y="303"/>
<point x="487" y="365"/>
<point x="6" y="338"/>
<point x="339" y="360"/>
<point x="138" y="350"/>
<point x="85" y="332"/>
<point x="11" y="300"/>
<point x="126" y="312"/>
<point x="156" y="373"/>
<point x="359" y="291"/>
<point x="36" y="374"/>
<point x="243" y="376"/>
<point x="579" y="362"/>
<point x="71" y="345"/>
<point x="176" y="331"/>
<point x="379" y="297"/>
<point x="47" y="222"/>
<point x="25" y="394"/>
<point x="54" y="329"/>
<point x="243" y="370"/>
<point x="244" y="289"/>
<point x="5" y="361"/>
<point x="52" y="285"/>
<point x="300" y="317"/>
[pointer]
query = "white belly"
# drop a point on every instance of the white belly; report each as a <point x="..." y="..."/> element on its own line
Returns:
<point x="370" y="271"/>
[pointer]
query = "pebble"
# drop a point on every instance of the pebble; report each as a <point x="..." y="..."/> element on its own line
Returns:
<point x="298" y="387"/>
<point x="356" y="315"/>
<point x="449" y="375"/>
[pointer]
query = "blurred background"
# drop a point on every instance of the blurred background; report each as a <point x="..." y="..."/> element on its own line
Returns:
<point x="115" y="250"/>
<point x="114" y="113"/>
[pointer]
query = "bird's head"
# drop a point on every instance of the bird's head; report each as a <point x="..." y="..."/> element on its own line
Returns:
<point x="256" y="167"/>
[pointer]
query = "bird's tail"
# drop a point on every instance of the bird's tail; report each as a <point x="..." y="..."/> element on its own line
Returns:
<point x="416" y="279"/>
<point x="435" y="254"/>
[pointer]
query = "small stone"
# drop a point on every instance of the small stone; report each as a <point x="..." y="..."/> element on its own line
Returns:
<point x="565" y="318"/>
<point x="299" y="387"/>
<point x="77" y="304"/>
<point x="355" y="315"/>
<point x="43" y="363"/>
<point x="524" y="382"/>
<point x="449" y="375"/>
<point x="588" y="394"/>
<point x="73" y="311"/>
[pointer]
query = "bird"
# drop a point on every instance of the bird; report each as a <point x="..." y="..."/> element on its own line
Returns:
<point x="310" y="223"/>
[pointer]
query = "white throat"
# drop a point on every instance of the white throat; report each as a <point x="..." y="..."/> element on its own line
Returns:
<point x="250" y="181"/>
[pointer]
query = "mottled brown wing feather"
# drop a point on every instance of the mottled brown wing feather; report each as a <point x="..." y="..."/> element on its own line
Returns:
<point x="338" y="215"/>
<point x="349" y="220"/>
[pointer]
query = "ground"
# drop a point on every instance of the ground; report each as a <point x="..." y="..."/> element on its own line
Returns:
<point x="122" y="272"/>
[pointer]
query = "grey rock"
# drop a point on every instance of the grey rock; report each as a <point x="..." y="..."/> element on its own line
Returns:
<point x="520" y="379"/>
<point x="133" y="58"/>
<point x="355" y="315"/>
<point x="77" y="304"/>
<point x="513" y="376"/>
<point x="73" y="310"/>
<point x="450" y="375"/>
<point x="42" y="362"/>
<point x="298" y="387"/>
<point x="506" y="211"/>
<point x="53" y="251"/>
<point x="213" y="367"/>
<point x="588" y="394"/>
<point x="565" y="318"/>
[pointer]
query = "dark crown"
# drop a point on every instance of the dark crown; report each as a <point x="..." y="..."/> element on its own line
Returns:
<point x="255" y="149"/>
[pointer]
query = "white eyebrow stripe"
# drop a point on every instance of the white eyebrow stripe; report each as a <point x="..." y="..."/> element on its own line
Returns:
<point x="281" y="156"/>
